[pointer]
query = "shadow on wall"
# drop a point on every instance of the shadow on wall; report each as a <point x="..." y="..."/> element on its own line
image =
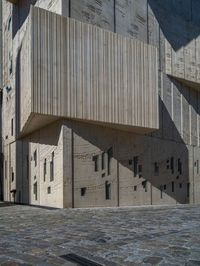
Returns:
<point x="22" y="147"/>
<point x="161" y="162"/>
<point x="178" y="20"/>
<point x="20" y="14"/>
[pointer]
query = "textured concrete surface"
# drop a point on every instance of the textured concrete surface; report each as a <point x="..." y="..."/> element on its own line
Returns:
<point x="125" y="236"/>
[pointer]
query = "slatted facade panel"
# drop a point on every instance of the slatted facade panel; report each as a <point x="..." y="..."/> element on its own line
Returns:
<point x="183" y="62"/>
<point x="84" y="72"/>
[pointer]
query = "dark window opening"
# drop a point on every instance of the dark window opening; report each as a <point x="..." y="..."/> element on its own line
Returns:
<point x="49" y="190"/>
<point x="95" y="160"/>
<point x="52" y="167"/>
<point x="45" y="169"/>
<point x="179" y="167"/>
<point x="5" y="169"/>
<point x="9" y="24"/>
<point x="12" y="127"/>
<point x="110" y="155"/>
<point x="177" y="177"/>
<point x="180" y="185"/>
<point x="13" y="176"/>
<point x="144" y="184"/>
<point x="34" y="177"/>
<point x="135" y="165"/>
<point x="10" y="67"/>
<point x="103" y="160"/>
<point x="172" y="186"/>
<point x="140" y="168"/>
<point x="156" y="169"/>
<point x="35" y="157"/>
<point x="108" y="190"/>
<point x="135" y="188"/>
<point x="130" y="162"/>
<point x="83" y="191"/>
<point x="103" y="175"/>
<point x="172" y="164"/>
<point x="35" y="190"/>
<point x="165" y="187"/>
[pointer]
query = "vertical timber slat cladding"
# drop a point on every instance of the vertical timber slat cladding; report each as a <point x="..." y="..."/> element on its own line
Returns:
<point x="81" y="85"/>
<point x="184" y="62"/>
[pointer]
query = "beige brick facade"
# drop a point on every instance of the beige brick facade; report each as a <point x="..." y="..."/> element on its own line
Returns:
<point x="100" y="108"/>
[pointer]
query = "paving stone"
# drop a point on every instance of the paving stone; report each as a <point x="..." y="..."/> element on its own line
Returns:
<point x="164" y="236"/>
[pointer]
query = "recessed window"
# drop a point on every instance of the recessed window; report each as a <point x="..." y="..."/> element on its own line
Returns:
<point x="130" y="162"/>
<point x="110" y="155"/>
<point x="13" y="176"/>
<point x="5" y="169"/>
<point x="9" y="23"/>
<point x="165" y="187"/>
<point x="35" y="190"/>
<point x="52" y="167"/>
<point x="35" y="157"/>
<point x="172" y="186"/>
<point x="144" y="184"/>
<point x="83" y="191"/>
<point x="107" y="190"/>
<point x="135" y="188"/>
<point x="49" y="190"/>
<point x="45" y="169"/>
<point x="12" y="126"/>
<point x="96" y="163"/>
<point x="172" y="164"/>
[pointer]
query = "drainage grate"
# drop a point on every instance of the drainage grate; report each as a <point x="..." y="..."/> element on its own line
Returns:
<point x="79" y="260"/>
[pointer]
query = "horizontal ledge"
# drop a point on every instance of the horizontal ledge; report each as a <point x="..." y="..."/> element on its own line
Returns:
<point x="188" y="83"/>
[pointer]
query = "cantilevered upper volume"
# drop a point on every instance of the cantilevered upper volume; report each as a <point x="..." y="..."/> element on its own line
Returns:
<point x="184" y="63"/>
<point x="75" y="70"/>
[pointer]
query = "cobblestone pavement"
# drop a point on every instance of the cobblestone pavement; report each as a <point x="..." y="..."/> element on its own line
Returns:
<point x="125" y="236"/>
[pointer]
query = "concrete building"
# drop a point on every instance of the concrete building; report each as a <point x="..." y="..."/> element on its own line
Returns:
<point x="100" y="102"/>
